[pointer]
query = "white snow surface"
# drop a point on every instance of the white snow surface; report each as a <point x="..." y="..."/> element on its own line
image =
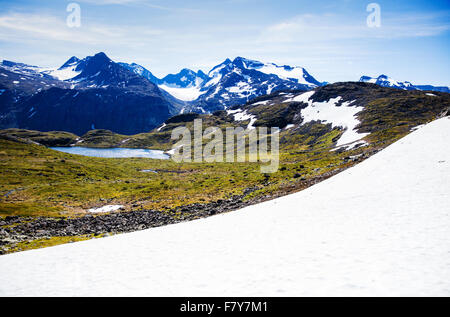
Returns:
<point x="289" y="126"/>
<point x="340" y="116"/>
<point x="242" y="115"/>
<point x="65" y="73"/>
<point x="284" y="72"/>
<point x="104" y="209"/>
<point x="380" y="228"/>
<point x="184" y="94"/>
<point x="161" y="127"/>
<point x="329" y="112"/>
<point x="263" y="103"/>
<point x="297" y="73"/>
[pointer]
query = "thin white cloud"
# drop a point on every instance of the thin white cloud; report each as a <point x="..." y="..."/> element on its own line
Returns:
<point x="142" y="3"/>
<point x="329" y="27"/>
<point x="108" y="2"/>
<point x="30" y="27"/>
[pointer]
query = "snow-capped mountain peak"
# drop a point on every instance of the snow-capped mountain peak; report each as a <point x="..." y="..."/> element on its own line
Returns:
<point x="74" y="67"/>
<point x="236" y="82"/>
<point x="185" y="85"/>
<point x="243" y="62"/>
<point x="68" y="70"/>
<point x="95" y="92"/>
<point x="386" y="81"/>
<point x="99" y="71"/>
<point x="186" y="78"/>
<point x="91" y="65"/>
<point x="141" y="71"/>
<point x="297" y="74"/>
<point x="71" y="62"/>
<point x="218" y="68"/>
<point x="290" y="73"/>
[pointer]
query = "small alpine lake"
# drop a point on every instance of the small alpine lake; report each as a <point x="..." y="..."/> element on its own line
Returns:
<point x="113" y="152"/>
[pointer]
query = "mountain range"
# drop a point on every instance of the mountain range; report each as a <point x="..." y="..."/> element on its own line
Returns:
<point x="81" y="95"/>
<point x="386" y="81"/>
<point x="98" y="93"/>
<point x="230" y="83"/>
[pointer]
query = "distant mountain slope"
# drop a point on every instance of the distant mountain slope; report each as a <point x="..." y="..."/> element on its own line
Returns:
<point x="79" y="111"/>
<point x="95" y="92"/>
<point x="138" y="69"/>
<point x="336" y="117"/>
<point x="17" y="82"/>
<point x="433" y="88"/>
<point x="386" y="81"/>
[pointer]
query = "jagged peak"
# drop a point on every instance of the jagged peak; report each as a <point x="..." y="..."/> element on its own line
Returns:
<point x="219" y="67"/>
<point x="70" y="62"/>
<point x="101" y="57"/>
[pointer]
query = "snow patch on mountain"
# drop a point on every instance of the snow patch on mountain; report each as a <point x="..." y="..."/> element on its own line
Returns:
<point x="261" y="103"/>
<point x="305" y="97"/>
<point x="104" y="209"/>
<point x="241" y="88"/>
<point x="23" y="69"/>
<point x="242" y="115"/>
<point x="298" y="74"/>
<point x="185" y="94"/>
<point x="334" y="111"/>
<point x="65" y="73"/>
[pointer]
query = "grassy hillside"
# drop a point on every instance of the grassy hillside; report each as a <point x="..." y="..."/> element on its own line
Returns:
<point x="37" y="181"/>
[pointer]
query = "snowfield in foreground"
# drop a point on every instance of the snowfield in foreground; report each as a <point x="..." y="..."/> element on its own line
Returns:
<point x="380" y="228"/>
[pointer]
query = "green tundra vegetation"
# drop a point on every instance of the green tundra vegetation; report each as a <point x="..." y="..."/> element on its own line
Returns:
<point x="38" y="181"/>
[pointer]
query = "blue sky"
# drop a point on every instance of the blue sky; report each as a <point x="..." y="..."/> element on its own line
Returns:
<point x="329" y="38"/>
